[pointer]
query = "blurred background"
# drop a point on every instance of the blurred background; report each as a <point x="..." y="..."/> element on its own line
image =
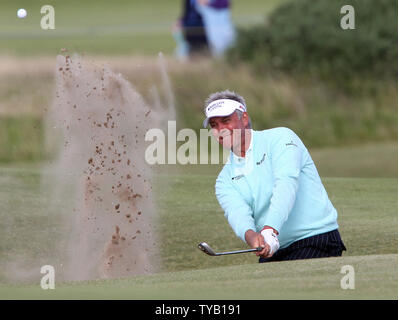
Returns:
<point x="291" y="60"/>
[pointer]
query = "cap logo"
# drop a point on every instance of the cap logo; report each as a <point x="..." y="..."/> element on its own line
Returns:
<point x="217" y="104"/>
<point x="221" y="108"/>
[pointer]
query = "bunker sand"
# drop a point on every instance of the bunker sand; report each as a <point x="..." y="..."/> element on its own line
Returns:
<point x="102" y="121"/>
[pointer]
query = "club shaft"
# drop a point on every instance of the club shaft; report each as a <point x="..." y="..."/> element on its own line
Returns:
<point x="238" y="251"/>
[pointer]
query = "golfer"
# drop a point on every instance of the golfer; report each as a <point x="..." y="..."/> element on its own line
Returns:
<point x="270" y="189"/>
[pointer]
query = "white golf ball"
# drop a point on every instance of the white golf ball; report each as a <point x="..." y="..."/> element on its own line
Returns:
<point x="21" y="13"/>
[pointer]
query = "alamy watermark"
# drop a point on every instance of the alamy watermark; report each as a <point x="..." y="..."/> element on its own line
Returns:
<point x="193" y="149"/>
<point x="48" y="280"/>
<point x="47" y="21"/>
<point x="347" y="22"/>
<point x="348" y="280"/>
<point x="187" y="147"/>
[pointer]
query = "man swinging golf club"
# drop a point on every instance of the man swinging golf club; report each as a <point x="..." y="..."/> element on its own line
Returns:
<point x="269" y="188"/>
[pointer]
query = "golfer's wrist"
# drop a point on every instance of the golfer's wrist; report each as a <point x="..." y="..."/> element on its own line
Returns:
<point x="268" y="227"/>
<point x="250" y="236"/>
<point x="270" y="238"/>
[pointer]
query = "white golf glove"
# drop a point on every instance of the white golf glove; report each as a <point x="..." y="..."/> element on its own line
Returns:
<point x="271" y="239"/>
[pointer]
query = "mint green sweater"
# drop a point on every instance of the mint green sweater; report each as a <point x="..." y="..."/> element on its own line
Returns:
<point x="276" y="184"/>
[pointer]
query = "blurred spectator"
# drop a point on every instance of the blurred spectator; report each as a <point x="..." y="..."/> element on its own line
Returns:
<point x="220" y="31"/>
<point x="182" y="49"/>
<point x="191" y="27"/>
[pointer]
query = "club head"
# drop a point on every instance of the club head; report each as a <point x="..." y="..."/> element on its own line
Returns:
<point x="206" y="249"/>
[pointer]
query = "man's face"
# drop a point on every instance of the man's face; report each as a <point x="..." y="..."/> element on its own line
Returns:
<point x="228" y="130"/>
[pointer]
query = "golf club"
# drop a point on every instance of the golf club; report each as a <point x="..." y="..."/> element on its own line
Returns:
<point x="208" y="250"/>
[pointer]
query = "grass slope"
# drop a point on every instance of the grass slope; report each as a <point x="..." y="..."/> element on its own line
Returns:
<point x="375" y="278"/>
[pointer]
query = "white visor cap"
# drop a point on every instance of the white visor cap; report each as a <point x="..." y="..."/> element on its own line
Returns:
<point x="222" y="108"/>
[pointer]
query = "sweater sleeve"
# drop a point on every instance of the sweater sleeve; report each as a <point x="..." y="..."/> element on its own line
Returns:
<point x="238" y="213"/>
<point x="286" y="156"/>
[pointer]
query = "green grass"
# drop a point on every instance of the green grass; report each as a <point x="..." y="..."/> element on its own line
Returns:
<point x="21" y="137"/>
<point x="188" y="214"/>
<point x="322" y="116"/>
<point x="370" y="160"/>
<point x="375" y="278"/>
<point x="104" y="27"/>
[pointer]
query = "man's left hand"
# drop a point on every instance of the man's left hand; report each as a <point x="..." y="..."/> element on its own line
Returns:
<point x="271" y="239"/>
<point x="255" y="240"/>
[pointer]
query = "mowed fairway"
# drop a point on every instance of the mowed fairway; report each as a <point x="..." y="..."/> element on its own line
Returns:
<point x="188" y="214"/>
<point x="375" y="278"/>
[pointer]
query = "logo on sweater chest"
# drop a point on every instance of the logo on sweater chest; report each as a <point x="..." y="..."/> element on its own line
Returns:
<point x="261" y="161"/>
<point x="291" y="143"/>
<point x="238" y="177"/>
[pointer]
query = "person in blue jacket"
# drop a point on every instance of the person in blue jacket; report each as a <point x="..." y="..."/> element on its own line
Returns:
<point x="193" y="29"/>
<point x="270" y="189"/>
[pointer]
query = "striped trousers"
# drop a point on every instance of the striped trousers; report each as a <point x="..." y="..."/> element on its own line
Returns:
<point x="322" y="245"/>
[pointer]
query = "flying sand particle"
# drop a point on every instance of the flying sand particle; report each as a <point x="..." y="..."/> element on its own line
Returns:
<point x="103" y="119"/>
